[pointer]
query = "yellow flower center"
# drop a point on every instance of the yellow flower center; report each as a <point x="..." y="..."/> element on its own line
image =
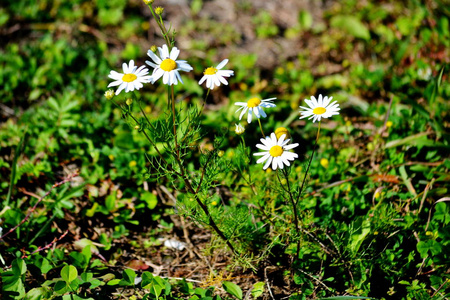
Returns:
<point x="280" y="131"/>
<point x="276" y="151"/>
<point x="254" y="102"/>
<point x="319" y="110"/>
<point x="129" y="77"/>
<point x="168" y="65"/>
<point x="210" y="71"/>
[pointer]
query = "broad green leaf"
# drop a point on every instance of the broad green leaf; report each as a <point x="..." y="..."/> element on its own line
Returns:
<point x="40" y="293"/>
<point x="305" y="19"/>
<point x="258" y="289"/>
<point x="114" y="282"/>
<point x="351" y="25"/>
<point x="128" y="276"/>
<point x="150" y="199"/>
<point x="19" y="267"/>
<point x="358" y="237"/>
<point x="60" y="287"/>
<point x="69" y="273"/>
<point x="86" y="277"/>
<point x="232" y="289"/>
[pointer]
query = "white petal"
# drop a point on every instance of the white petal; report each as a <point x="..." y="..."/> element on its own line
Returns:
<point x="202" y="79"/>
<point x="222" y="64"/>
<point x="249" y="115"/>
<point x="245" y="108"/>
<point x="121" y="87"/>
<point x="268" y="162"/>
<point x="174" y="53"/>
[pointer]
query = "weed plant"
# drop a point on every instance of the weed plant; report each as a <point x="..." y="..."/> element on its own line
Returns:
<point x="351" y="206"/>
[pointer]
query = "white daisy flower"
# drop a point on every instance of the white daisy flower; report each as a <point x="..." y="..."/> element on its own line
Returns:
<point x="214" y="76"/>
<point x="276" y="152"/>
<point x="166" y="66"/>
<point x="320" y="108"/>
<point x="131" y="79"/>
<point x="254" y="105"/>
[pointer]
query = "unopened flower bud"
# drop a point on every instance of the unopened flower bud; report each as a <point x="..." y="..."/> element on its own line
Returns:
<point x="159" y="10"/>
<point x="153" y="48"/>
<point x="137" y="127"/>
<point x="148" y="2"/>
<point x="220" y="153"/>
<point x="109" y="94"/>
<point x="239" y="129"/>
<point x="280" y="131"/>
<point x="129" y="101"/>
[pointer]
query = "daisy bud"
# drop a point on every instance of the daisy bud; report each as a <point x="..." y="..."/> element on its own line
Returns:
<point x="159" y="10"/>
<point x="220" y="153"/>
<point x="153" y="48"/>
<point x="239" y="129"/>
<point x="109" y="94"/>
<point x="137" y="127"/>
<point x="148" y="2"/>
<point x="129" y="101"/>
<point x="280" y="131"/>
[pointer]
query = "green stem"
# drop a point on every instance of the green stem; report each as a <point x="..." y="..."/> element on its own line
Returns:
<point x="309" y="164"/>
<point x="174" y="121"/>
<point x="161" y="26"/>
<point x="294" y="207"/>
<point x="260" y="127"/>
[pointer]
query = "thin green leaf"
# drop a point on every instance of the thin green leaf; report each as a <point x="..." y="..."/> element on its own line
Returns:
<point x="233" y="289"/>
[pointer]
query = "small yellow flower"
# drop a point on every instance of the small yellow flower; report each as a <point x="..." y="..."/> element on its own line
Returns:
<point x="389" y="124"/>
<point x="148" y="2"/>
<point x="137" y="127"/>
<point x="111" y="157"/>
<point x="348" y="123"/>
<point x="132" y="163"/>
<point x="377" y="195"/>
<point x="428" y="233"/>
<point x="283" y="181"/>
<point x="324" y="162"/>
<point x="129" y="101"/>
<point x="280" y="131"/>
<point x="153" y="48"/>
<point x="243" y="86"/>
<point x="109" y="94"/>
<point x="220" y="153"/>
<point x="298" y="169"/>
<point x="159" y="10"/>
<point x="214" y="203"/>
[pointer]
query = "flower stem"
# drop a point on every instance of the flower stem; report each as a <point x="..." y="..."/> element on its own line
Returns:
<point x="309" y="164"/>
<point x="260" y="127"/>
<point x="294" y="208"/>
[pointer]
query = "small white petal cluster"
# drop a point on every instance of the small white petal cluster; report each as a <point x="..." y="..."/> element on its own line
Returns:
<point x="276" y="152"/>
<point x="215" y="75"/>
<point x="131" y="79"/>
<point x="320" y="108"/>
<point x="254" y="105"/>
<point x="167" y="66"/>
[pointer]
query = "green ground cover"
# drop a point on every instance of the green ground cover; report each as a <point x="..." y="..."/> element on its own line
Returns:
<point x="97" y="194"/>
